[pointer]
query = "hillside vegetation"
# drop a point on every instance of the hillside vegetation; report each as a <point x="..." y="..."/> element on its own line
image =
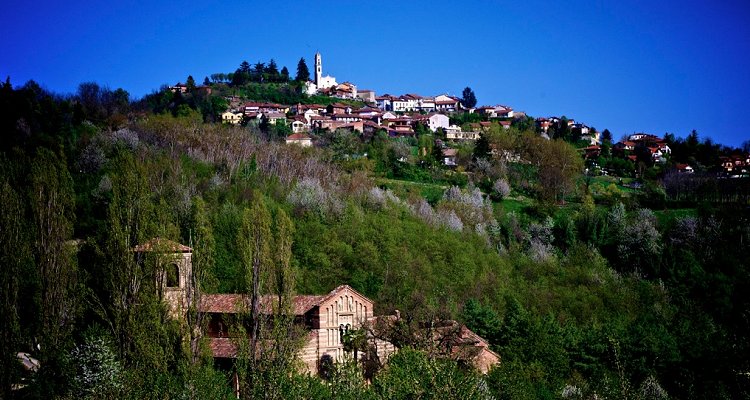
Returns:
<point x="580" y="299"/>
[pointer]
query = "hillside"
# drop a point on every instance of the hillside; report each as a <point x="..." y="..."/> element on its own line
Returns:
<point x="581" y="292"/>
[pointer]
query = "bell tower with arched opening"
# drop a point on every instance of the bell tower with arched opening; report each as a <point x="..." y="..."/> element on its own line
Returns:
<point x="318" y="69"/>
<point x="173" y="273"/>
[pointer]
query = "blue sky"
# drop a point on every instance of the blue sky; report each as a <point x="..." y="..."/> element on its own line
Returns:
<point x="628" y="66"/>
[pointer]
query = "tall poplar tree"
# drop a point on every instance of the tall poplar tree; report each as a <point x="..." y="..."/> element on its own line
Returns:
<point x="203" y="244"/>
<point x="13" y="252"/>
<point x="283" y="274"/>
<point x="51" y="198"/>
<point x="254" y="243"/>
<point x="128" y="218"/>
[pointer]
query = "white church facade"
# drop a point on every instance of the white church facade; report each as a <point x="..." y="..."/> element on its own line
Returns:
<point x="321" y="82"/>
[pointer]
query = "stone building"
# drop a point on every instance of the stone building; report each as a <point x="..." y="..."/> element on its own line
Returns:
<point x="326" y="318"/>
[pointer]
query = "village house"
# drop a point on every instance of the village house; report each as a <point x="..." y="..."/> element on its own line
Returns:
<point x="346" y="90"/>
<point x="543" y="124"/>
<point x="404" y="104"/>
<point x="274" y="118"/>
<point x="369" y="113"/>
<point x="300" y="139"/>
<point x="436" y="121"/>
<point x="461" y="135"/>
<point x="300" y="124"/>
<point x="498" y="111"/>
<point x="735" y="163"/>
<point x="592" y="151"/>
<point x="331" y="124"/>
<point x="258" y="107"/>
<point x="449" y="157"/>
<point x="368" y="96"/>
<point x="299" y="109"/>
<point x="389" y="115"/>
<point x="338" y="108"/>
<point x="179" y="87"/>
<point x="326" y="318"/>
<point x="426" y="104"/>
<point x="343" y="117"/>
<point x="626" y="145"/>
<point x="234" y="118"/>
<point x="447" y="103"/>
<point x="384" y="102"/>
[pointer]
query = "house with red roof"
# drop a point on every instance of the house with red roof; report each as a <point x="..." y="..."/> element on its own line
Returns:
<point x="447" y="103"/>
<point x="300" y="139"/>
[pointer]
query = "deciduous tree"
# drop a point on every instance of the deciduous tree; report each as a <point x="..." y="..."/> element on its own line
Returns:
<point x="52" y="208"/>
<point x="13" y="253"/>
<point x="254" y="243"/>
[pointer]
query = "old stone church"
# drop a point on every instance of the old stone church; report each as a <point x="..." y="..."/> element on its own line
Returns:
<point x="326" y="318"/>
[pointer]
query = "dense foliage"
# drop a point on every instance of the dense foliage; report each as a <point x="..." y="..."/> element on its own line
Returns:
<point x="581" y="300"/>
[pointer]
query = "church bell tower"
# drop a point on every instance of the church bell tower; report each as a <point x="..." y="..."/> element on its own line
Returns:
<point x="318" y="69"/>
<point x="173" y="273"/>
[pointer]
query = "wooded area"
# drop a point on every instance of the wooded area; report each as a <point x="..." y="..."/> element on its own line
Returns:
<point x="580" y="300"/>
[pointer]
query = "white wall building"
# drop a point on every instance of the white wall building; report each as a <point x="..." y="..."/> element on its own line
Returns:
<point x="438" y="121"/>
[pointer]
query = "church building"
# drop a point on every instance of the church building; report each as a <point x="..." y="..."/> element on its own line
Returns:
<point x="326" y="318"/>
<point x="321" y="82"/>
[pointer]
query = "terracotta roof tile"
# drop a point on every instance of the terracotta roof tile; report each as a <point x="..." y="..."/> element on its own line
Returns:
<point x="298" y="136"/>
<point x="223" y="347"/>
<point x="235" y="303"/>
<point x="159" y="244"/>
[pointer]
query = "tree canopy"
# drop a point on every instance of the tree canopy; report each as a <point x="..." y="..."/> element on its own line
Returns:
<point x="303" y="73"/>
<point x="468" y="98"/>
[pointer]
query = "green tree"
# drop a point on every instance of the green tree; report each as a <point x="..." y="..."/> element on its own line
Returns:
<point x="482" y="148"/>
<point x="203" y="245"/>
<point x="190" y="83"/>
<point x="241" y="75"/>
<point x="244" y="67"/>
<point x="283" y="273"/>
<point x="468" y="98"/>
<point x="52" y="206"/>
<point x="411" y="374"/>
<point x="559" y="164"/>
<point x="128" y="216"/>
<point x="284" y="75"/>
<point x="257" y="74"/>
<point x="14" y="253"/>
<point x="254" y="243"/>
<point x="482" y="320"/>
<point x="303" y="73"/>
<point x="272" y="71"/>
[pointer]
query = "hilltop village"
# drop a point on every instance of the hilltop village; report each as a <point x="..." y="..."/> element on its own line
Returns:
<point x="452" y="120"/>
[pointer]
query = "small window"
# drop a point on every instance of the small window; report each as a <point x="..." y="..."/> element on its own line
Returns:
<point x="173" y="276"/>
